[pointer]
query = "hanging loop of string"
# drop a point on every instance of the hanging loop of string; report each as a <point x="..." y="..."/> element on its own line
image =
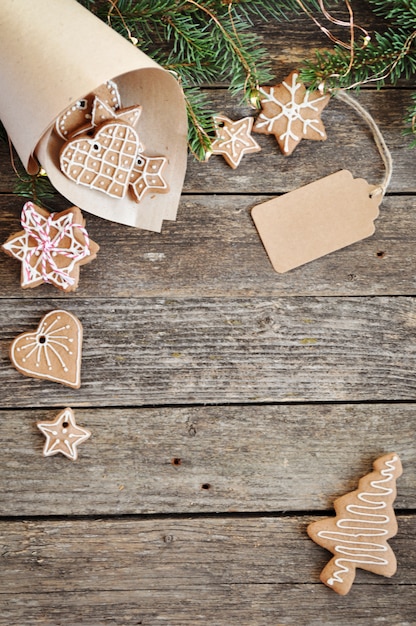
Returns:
<point x="378" y="138"/>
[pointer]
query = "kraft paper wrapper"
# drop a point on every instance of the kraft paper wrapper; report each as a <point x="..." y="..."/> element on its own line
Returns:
<point x="52" y="53"/>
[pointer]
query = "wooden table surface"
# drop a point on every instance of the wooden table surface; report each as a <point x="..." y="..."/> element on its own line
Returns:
<point x="229" y="405"/>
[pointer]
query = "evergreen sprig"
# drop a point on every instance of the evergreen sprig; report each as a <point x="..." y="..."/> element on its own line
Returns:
<point x="388" y="57"/>
<point x="201" y="42"/>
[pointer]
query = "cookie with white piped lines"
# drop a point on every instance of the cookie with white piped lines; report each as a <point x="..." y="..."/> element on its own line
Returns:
<point x="80" y="112"/>
<point x="103" y="161"/>
<point x="52" y="351"/>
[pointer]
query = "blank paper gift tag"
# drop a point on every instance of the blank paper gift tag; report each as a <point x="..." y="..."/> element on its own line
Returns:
<point x="314" y="220"/>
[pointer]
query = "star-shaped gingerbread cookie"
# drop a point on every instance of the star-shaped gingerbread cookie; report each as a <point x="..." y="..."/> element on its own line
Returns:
<point x="63" y="435"/>
<point x="147" y="175"/>
<point x="291" y="113"/>
<point x="233" y="139"/>
<point x="51" y="247"/>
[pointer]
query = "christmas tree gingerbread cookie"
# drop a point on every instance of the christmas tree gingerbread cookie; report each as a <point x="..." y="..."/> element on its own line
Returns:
<point x="357" y="535"/>
<point x="291" y="113"/>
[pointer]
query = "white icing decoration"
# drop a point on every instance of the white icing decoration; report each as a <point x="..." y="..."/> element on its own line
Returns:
<point x="354" y="549"/>
<point x="54" y="344"/>
<point x="25" y="246"/>
<point x="111" y="151"/>
<point x="292" y="111"/>
<point x="143" y="175"/>
<point x="233" y="138"/>
<point x="59" y="438"/>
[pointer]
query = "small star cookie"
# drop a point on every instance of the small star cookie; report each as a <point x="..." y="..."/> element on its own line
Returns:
<point x="147" y="175"/>
<point x="63" y="435"/>
<point x="291" y="113"/>
<point x="233" y="139"/>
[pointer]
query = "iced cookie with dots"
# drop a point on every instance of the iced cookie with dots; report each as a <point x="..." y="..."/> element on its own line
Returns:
<point x="102" y="112"/>
<point x="233" y="139"/>
<point x="147" y="175"/>
<point x="103" y="161"/>
<point x="63" y="435"/>
<point x="79" y="114"/>
<point x="291" y="113"/>
<point x="52" y="351"/>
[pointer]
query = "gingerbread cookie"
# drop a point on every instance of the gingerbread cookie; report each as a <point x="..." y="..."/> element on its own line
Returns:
<point x="291" y="113"/>
<point x="357" y="536"/>
<point x="101" y="113"/>
<point x="147" y="175"/>
<point x="52" y="351"/>
<point x="233" y="139"/>
<point x="105" y="160"/>
<point x="51" y="247"/>
<point x="63" y="435"/>
<point x="80" y="113"/>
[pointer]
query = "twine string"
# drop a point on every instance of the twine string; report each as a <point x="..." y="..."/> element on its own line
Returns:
<point x="378" y="138"/>
<point x="47" y="247"/>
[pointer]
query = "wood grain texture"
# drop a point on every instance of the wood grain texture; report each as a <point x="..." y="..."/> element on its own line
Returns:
<point x="204" y="459"/>
<point x="229" y="405"/>
<point x="194" y="571"/>
<point x="349" y="145"/>
<point x="196" y="351"/>
<point x="214" y="250"/>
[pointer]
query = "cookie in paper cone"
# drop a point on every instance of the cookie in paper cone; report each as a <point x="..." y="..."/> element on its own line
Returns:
<point x="147" y="176"/>
<point x="103" y="161"/>
<point x="80" y="113"/>
<point x="52" y="351"/>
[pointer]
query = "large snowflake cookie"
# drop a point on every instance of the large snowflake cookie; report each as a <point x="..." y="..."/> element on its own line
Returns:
<point x="51" y="247"/>
<point x="291" y="113"/>
<point x="233" y="139"/>
<point x="52" y="351"/>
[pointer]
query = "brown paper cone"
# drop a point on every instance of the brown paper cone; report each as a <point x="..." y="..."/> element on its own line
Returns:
<point x="55" y="53"/>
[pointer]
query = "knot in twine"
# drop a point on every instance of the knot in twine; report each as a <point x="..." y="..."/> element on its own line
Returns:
<point x="47" y="247"/>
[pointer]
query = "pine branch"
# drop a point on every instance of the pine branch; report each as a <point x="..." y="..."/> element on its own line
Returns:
<point x="34" y="186"/>
<point x="401" y="12"/>
<point x="203" y="42"/>
<point x="390" y="56"/>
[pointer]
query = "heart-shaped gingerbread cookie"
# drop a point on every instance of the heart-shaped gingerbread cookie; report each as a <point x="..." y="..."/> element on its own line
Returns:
<point x="53" y="351"/>
<point x="103" y="161"/>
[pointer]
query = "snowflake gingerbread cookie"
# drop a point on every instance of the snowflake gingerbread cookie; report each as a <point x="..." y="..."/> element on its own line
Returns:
<point x="233" y="139"/>
<point x="291" y="113"/>
<point x="51" y="247"/>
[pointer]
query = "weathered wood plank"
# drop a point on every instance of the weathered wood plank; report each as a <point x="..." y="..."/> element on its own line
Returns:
<point x="214" y="250"/>
<point x="349" y="146"/>
<point x="204" y="459"/>
<point x="216" y="351"/>
<point x="258" y="571"/>
<point x="223" y="605"/>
